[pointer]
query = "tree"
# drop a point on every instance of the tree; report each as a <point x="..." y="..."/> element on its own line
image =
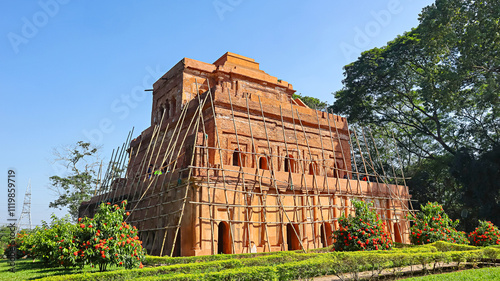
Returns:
<point x="312" y="102"/>
<point x="76" y="187"/>
<point x="434" y="82"/>
<point x="436" y="90"/>
<point x="479" y="176"/>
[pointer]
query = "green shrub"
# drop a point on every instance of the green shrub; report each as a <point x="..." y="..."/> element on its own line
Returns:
<point x="307" y="268"/>
<point x="213" y="266"/>
<point x="443" y="246"/>
<point x="54" y="243"/>
<point x="293" y="266"/>
<point x="243" y="274"/>
<point x="102" y="241"/>
<point x="491" y="253"/>
<point x="106" y="239"/>
<point x="433" y="224"/>
<point x="364" y="231"/>
<point x="485" y="234"/>
<point x="155" y="260"/>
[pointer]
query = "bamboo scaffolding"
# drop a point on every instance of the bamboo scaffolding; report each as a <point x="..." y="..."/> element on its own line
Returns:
<point x="306" y="206"/>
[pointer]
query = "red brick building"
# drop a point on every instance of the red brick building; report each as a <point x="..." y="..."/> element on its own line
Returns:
<point x="231" y="158"/>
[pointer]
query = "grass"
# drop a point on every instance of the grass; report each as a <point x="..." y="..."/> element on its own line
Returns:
<point x="28" y="270"/>
<point x="487" y="273"/>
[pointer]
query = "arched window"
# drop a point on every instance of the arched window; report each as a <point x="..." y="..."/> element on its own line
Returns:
<point x="238" y="158"/>
<point x="173" y="106"/>
<point x="167" y="110"/>
<point x="164" y="167"/>
<point x="336" y="172"/>
<point x="290" y="164"/>
<point x="313" y="168"/>
<point x="263" y="163"/>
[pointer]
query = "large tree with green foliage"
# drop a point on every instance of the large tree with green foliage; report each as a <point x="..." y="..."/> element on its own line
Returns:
<point x="76" y="186"/>
<point x="436" y="90"/>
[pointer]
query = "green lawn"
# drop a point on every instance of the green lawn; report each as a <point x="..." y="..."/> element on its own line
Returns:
<point x="28" y="270"/>
<point x="489" y="273"/>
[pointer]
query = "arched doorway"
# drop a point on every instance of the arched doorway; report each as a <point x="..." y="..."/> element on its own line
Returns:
<point x="263" y="163"/>
<point x="326" y="234"/>
<point x="177" y="245"/>
<point x="224" y="239"/>
<point x="292" y="230"/>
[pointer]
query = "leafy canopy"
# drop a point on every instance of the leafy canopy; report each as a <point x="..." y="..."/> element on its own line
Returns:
<point x="438" y="83"/>
<point x="312" y="102"/>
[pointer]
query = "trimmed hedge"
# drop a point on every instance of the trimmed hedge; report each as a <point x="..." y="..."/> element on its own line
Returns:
<point x="446" y="246"/>
<point x="291" y="265"/>
<point x="152" y="271"/>
<point x="154" y="260"/>
<point x="244" y="274"/>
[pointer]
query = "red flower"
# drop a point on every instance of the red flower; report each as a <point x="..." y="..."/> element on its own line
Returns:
<point x="82" y="225"/>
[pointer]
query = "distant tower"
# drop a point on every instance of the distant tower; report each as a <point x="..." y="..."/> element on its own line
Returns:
<point x="26" y="213"/>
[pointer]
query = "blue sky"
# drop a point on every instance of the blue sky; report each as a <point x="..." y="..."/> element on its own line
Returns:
<point x="76" y="70"/>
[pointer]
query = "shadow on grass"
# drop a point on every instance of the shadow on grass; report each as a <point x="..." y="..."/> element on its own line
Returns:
<point x="37" y="269"/>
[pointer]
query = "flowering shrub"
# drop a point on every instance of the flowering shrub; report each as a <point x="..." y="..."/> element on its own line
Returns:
<point x="365" y="231"/>
<point x="432" y="224"/>
<point x="107" y="239"/>
<point x="486" y="234"/>
<point x="52" y="243"/>
<point x="10" y="248"/>
<point x="103" y="240"/>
